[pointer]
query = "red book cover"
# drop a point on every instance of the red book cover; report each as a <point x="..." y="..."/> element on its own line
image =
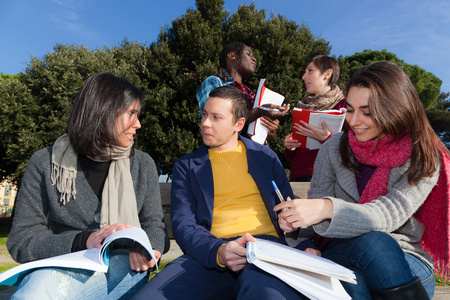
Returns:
<point x="264" y="95"/>
<point x="334" y="119"/>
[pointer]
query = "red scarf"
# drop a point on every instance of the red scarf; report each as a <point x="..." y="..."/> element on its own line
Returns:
<point x="434" y="213"/>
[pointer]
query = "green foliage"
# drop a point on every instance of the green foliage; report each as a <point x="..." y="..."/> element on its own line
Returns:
<point x="440" y="121"/>
<point x="179" y="66"/>
<point x="4" y="77"/>
<point x="443" y="102"/>
<point x="35" y="105"/>
<point x="427" y="85"/>
<point x="18" y="113"/>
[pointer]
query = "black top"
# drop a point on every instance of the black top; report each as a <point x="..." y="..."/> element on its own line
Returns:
<point x="95" y="173"/>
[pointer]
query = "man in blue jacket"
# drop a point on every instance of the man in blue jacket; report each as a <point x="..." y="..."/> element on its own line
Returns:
<point x="222" y="198"/>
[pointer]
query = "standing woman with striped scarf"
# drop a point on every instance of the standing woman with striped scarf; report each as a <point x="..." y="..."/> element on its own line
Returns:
<point x="88" y="185"/>
<point x="379" y="197"/>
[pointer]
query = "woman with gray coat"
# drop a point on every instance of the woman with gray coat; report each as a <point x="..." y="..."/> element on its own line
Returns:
<point x="88" y="185"/>
<point x="378" y="201"/>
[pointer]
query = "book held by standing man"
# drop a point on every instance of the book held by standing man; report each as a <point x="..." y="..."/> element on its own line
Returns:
<point x="256" y="131"/>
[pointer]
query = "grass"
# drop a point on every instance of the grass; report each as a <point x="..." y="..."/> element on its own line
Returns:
<point x="5" y="227"/>
<point x="439" y="281"/>
<point x="161" y="267"/>
<point x="7" y="266"/>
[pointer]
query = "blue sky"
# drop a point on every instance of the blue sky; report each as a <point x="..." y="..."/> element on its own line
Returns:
<point x="416" y="31"/>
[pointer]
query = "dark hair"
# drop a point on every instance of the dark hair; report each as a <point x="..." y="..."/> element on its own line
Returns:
<point x="324" y="63"/>
<point x="235" y="47"/>
<point x="395" y="107"/>
<point x="99" y="103"/>
<point x="237" y="98"/>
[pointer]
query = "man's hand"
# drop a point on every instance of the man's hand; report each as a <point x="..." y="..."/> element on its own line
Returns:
<point x="234" y="255"/>
<point x="282" y="110"/>
<point x="278" y="112"/>
<point x="271" y="125"/>
<point x="313" y="251"/>
<point x="96" y="238"/>
<point x="140" y="260"/>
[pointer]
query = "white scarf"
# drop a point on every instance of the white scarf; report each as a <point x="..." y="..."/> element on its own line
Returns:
<point x="118" y="196"/>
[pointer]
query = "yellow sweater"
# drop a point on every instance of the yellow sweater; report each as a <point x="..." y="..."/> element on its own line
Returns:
<point x="238" y="206"/>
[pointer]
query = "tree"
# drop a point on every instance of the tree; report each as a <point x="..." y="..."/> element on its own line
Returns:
<point x="426" y="84"/>
<point x="17" y="127"/>
<point x="35" y="105"/>
<point x="280" y="46"/>
<point x="5" y="77"/>
<point x="440" y="118"/>
<point x="443" y="102"/>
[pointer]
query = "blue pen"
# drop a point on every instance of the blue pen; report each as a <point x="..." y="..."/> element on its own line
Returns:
<point x="277" y="191"/>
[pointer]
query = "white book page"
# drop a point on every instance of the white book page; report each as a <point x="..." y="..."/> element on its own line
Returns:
<point x="334" y="124"/>
<point x="85" y="259"/>
<point x="91" y="259"/>
<point x="312" y="285"/>
<point x="284" y="255"/>
<point x="269" y="97"/>
<point x="133" y="233"/>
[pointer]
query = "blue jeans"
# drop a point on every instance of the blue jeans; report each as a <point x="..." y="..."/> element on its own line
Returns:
<point x="378" y="263"/>
<point x="185" y="278"/>
<point x="120" y="282"/>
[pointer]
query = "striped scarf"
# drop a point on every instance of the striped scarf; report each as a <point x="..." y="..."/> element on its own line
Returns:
<point x="223" y="74"/>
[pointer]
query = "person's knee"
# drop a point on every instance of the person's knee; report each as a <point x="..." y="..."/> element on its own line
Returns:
<point x="376" y="249"/>
<point x="379" y="244"/>
<point x="45" y="283"/>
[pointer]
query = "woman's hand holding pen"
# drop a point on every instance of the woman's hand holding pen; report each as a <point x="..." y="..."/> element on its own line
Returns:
<point x="284" y="224"/>
<point x="303" y="212"/>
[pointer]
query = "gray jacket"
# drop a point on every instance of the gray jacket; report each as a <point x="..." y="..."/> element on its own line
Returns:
<point x="43" y="227"/>
<point x="392" y="213"/>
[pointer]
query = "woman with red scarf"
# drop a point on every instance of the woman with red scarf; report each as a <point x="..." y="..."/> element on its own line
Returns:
<point x="379" y="197"/>
<point x="236" y="63"/>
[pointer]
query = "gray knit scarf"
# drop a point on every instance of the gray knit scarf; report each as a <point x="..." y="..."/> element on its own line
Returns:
<point x="118" y="197"/>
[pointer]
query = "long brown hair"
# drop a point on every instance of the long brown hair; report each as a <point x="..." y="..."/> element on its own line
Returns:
<point x="396" y="108"/>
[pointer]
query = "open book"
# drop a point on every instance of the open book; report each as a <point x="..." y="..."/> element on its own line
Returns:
<point x="256" y="131"/>
<point x="91" y="259"/>
<point x="334" y="119"/>
<point x="313" y="276"/>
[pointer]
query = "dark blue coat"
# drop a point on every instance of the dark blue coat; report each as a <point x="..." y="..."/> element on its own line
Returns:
<point x="192" y="197"/>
